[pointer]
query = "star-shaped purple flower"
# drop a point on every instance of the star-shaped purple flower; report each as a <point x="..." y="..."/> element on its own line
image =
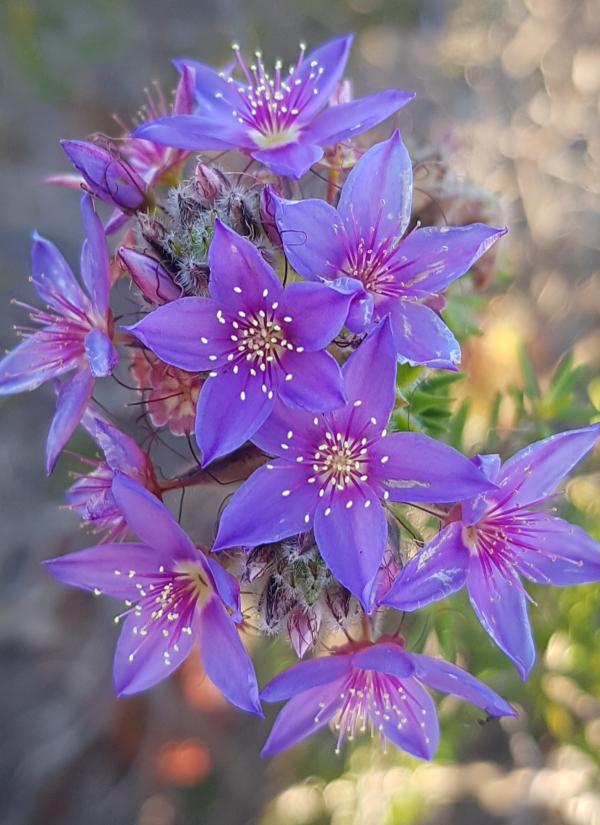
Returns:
<point x="91" y="495"/>
<point x="334" y="471"/>
<point x="371" y="687"/>
<point x="360" y="247"/>
<point x="260" y="341"/>
<point x="502" y="534"/>
<point x="76" y="334"/>
<point x="175" y="595"/>
<point x="280" y="120"/>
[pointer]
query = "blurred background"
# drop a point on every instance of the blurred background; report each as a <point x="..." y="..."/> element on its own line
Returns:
<point x="510" y="90"/>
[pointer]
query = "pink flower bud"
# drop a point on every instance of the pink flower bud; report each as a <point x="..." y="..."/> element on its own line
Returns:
<point x="209" y="182"/>
<point x="303" y="628"/>
<point x="149" y="276"/>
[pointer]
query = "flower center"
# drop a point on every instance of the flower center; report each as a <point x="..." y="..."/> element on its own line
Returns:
<point x="271" y="140"/>
<point x="341" y="461"/>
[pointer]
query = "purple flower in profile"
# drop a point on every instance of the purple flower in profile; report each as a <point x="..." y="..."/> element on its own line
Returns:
<point x="76" y="331"/>
<point x="360" y="247"/>
<point x="175" y="596"/>
<point x="280" y="120"/>
<point x="375" y="687"/>
<point x="502" y="534"/>
<point x="334" y="472"/>
<point x="260" y="341"/>
<point x="91" y="495"/>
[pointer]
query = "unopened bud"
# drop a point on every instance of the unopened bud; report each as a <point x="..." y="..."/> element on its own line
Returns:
<point x="209" y="182"/>
<point x="151" y="278"/>
<point x="108" y="178"/>
<point x="303" y="628"/>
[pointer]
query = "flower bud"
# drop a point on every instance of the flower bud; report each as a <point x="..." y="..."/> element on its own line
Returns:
<point x="151" y="278"/>
<point x="209" y="182"/>
<point x="108" y="178"/>
<point x="303" y="628"/>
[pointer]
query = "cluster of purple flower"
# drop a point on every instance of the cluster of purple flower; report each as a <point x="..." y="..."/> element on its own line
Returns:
<point x="249" y="357"/>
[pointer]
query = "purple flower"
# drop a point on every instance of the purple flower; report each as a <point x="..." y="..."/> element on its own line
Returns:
<point x="360" y="247"/>
<point x="91" y="495"/>
<point x="334" y="471"/>
<point x="108" y="178"/>
<point x="76" y="334"/>
<point x="371" y="687"/>
<point x="502" y="534"/>
<point x="259" y="341"/>
<point x="280" y="120"/>
<point x="175" y="596"/>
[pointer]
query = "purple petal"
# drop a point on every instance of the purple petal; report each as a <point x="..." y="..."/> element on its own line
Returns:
<point x="302" y="716"/>
<point x="193" y="132"/>
<point x="352" y="538"/>
<point x="316" y="382"/>
<point x="384" y="657"/>
<point x="291" y="161"/>
<point x="149" y="519"/>
<point x="306" y="675"/>
<point x="225" y="658"/>
<point x="115" y="222"/>
<point x="215" y="95"/>
<point x="149" y="276"/>
<point x="273" y="438"/>
<point x="376" y="199"/>
<point x="140" y="661"/>
<point x="441" y="675"/>
<point x="331" y="58"/>
<point x="73" y="397"/>
<point x="226" y="586"/>
<point x="239" y="275"/>
<point x="438" y="570"/>
<point x="318" y="313"/>
<point x="175" y="331"/>
<point x="270" y="506"/>
<point x="54" y="280"/>
<point x="549" y="550"/>
<point x="309" y="234"/>
<point x="110" y="179"/>
<point x="420" y="335"/>
<point x="346" y="120"/>
<point x="376" y="397"/>
<point x="121" y="451"/>
<point x="185" y="91"/>
<point x="437" y="256"/>
<point x="534" y="473"/>
<point x="35" y="360"/>
<point x="419" y="468"/>
<point x="231" y="407"/>
<point x="474" y="509"/>
<point x="414" y="726"/>
<point x="95" y="265"/>
<point x="499" y="602"/>
<point x="102" y="356"/>
<point x="106" y="568"/>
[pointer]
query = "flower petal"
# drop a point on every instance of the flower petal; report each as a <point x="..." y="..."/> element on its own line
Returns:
<point x="239" y="274"/>
<point x="175" y="331"/>
<point x="309" y="234"/>
<point x="193" y="132"/>
<point x="549" y="550"/>
<point x="225" y="658"/>
<point x="437" y="256"/>
<point x="438" y="570"/>
<point x="306" y="675"/>
<point x="500" y="605"/>
<point x="330" y="60"/>
<point x="291" y="161"/>
<point x="54" y="280"/>
<point x="140" y="660"/>
<point x="352" y="538"/>
<point x="95" y="265"/>
<point x="102" y="355"/>
<point x="73" y="397"/>
<point x="318" y="313"/>
<point x="307" y="431"/>
<point x="270" y="506"/>
<point x="414" y="726"/>
<point x="231" y="407"/>
<point x="346" y="120"/>
<point x="149" y="519"/>
<point x="226" y="586"/>
<point x="441" y="675"/>
<point x="35" y="360"/>
<point x="384" y="657"/>
<point x="419" y="468"/>
<point x="106" y="568"/>
<point x="534" y="472"/>
<point x="303" y="715"/>
<point x="376" y="200"/>
<point x="372" y="399"/>
<point x="316" y="383"/>
<point x="420" y="335"/>
<point x="215" y="95"/>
